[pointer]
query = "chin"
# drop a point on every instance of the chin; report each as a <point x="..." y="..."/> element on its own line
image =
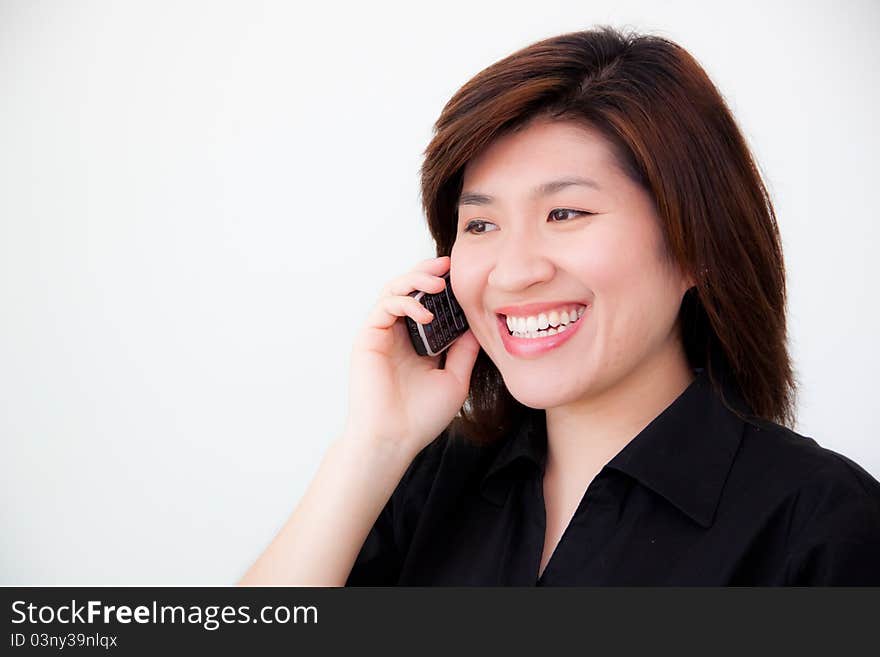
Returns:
<point x="539" y="395"/>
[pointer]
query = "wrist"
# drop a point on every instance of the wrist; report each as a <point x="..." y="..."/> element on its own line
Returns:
<point x="373" y="450"/>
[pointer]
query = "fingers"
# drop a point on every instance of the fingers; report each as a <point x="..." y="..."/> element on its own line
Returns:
<point x="414" y="280"/>
<point x="437" y="265"/>
<point x="389" y="308"/>
<point x="461" y="356"/>
<point x="426" y="276"/>
<point x="395" y="301"/>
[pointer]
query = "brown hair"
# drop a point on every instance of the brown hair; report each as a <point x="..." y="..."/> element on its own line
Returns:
<point x="673" y="134"/>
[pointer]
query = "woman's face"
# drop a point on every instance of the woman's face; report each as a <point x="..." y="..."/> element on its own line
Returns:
<point x="519" y="247"/>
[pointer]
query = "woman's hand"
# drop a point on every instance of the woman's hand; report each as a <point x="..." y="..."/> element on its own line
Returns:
<point x="397" y="397"/>
<point x="398" y="403"/>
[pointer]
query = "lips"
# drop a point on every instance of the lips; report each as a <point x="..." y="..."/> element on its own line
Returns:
<point x="533" y="347"/>
<point x="537" y="308"/>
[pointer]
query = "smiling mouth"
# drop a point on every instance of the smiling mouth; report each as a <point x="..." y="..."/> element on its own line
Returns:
<point x="531" y="329"/>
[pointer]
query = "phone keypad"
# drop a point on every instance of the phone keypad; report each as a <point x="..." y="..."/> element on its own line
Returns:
<point x="449" y="321"/>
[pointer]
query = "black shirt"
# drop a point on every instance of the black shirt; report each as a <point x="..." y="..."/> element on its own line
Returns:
<point x="698" y="498"/>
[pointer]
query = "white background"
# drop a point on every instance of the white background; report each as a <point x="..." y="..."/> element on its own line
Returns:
<point x="200" y="201"/>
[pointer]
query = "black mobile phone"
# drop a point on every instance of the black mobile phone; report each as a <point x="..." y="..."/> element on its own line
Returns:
<point x="448" y="324"/>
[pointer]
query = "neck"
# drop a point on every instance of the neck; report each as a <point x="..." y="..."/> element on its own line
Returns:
<point x="584" y="435"/>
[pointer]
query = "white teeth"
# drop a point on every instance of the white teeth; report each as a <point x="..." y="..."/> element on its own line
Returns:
<point x="544" y="324"/>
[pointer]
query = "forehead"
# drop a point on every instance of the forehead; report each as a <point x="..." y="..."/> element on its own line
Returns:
<point x="539" y="148"/>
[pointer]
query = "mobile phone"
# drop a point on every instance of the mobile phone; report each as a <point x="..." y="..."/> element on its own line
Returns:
<point x="448" y="324"/>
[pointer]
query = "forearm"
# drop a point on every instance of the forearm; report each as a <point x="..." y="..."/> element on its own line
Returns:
<point x="320" y="541"/>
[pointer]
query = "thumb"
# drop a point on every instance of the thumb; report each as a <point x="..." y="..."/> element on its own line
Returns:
<point x="461" y="358"/>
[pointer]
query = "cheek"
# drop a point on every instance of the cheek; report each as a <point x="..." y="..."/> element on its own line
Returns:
<point x="632" y="290"/>
<point x="608" y="267"/>
<point x="622" y="264"/>
<point x="467" y="282"/>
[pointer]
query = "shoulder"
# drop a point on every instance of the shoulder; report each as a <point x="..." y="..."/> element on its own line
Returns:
<point x="800" y="462"/>
<point x="826" y="498"/>
<point x="822" y="506"/>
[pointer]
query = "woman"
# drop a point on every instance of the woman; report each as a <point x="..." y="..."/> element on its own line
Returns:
<point x="617" y="412"/>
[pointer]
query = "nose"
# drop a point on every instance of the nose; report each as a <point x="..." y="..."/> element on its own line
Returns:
<point x="520" y="263"/>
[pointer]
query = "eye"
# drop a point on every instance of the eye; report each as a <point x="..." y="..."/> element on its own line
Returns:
<point x="470" y="224"/>
<point x="564" y="210"/>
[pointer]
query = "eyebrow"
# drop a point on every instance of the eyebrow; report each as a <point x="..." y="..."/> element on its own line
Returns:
<point x="545" y="189"/>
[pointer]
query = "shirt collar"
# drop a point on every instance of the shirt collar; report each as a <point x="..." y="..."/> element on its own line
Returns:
<point x="684" y="454"/>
